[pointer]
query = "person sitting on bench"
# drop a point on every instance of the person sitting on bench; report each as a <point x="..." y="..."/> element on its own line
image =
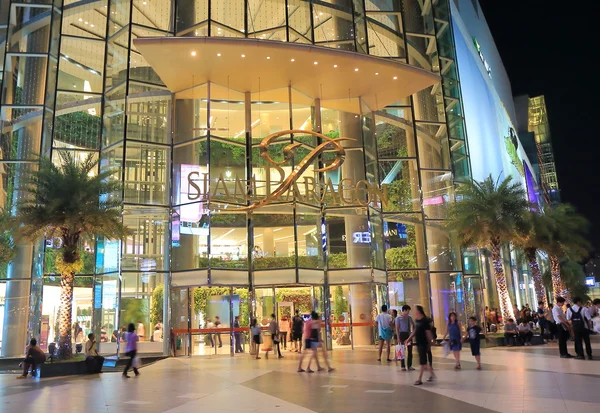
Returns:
<point x="33" y="356"/>
<point x="525" y="333"/>
<point x="93" y="360"/>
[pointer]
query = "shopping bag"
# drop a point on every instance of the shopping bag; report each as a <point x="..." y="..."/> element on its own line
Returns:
<point x="445" y="348"/>
<point x="400" y="352"/>
<point x="267" y="342"/>
<point x="137" y="363"/>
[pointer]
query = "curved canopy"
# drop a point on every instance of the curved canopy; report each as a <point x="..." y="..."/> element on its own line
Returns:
<point x="250" y="65"/>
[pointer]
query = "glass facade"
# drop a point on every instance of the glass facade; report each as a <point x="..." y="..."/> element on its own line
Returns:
<point x="73" y="80"/>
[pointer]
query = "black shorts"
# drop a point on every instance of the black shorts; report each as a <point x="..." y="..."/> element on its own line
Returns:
<point x="256" y="339"/>
<point x="475" y="347"/>
<point x="297" y="335"/>
<point x="308" y="343"/>
<point x="422" y="355"/>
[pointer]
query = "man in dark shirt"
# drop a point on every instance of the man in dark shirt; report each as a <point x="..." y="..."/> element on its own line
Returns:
<point x="297" y="324"/>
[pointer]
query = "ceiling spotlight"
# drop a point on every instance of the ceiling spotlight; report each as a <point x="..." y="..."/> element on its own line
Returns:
<point x="243" y="55"/>
<point x="144" y="3"/>
<point x="80" y="19"/>
<point x="316" y="63"/>
<point x="219" y="54"/>
<point x="356" y="70"/>
<point x="376" y="73"/>
<point x="268" y="57"/>
<point x="193" y="53"/>
<point x="395" y="77"/>
<point x="292" y="60"/>
<point x="334" y="65"/>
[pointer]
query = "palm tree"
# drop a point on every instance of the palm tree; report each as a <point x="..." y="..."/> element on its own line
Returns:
<point x="73" y="203"/>
<point x="566" y="241"/>
<point x="487" y="216"/>
<point x="534" y="234"/>
<point x="7" y="247"/>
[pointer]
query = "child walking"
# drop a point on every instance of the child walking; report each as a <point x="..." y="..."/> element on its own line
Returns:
<point x="473" y="332"/>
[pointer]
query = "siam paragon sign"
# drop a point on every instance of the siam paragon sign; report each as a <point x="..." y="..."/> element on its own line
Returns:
<point x="293" y="186"/>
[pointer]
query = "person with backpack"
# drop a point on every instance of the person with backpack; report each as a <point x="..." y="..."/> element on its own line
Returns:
<point x="578" y="317"/>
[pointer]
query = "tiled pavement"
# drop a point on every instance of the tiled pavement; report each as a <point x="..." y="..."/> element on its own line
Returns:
<point x="521" y="379"/>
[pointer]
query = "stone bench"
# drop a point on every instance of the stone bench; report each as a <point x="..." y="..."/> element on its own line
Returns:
<point x="536" y="340"/>
<point x="67" y="368"/>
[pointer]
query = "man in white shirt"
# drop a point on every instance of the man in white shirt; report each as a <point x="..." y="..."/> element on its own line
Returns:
<point x="562" y="327"/>
<point x="93" y="360"/>
<point x="578" y="316"/>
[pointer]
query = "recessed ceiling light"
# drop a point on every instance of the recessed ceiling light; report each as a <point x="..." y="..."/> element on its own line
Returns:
<point x="144" y="3"/>
<point x="91" y="25"/>
<point x="243" y="55"/>
<point x="268" y="57"/>
<point x="356" y="69"/>
<point x="80" y="20"/>
<point x="376" y="73"/>
<point x="395" y="77"/>
<point x="219" y="54"/>
<point x="334" y="65"/>
<point x="316" y="63"/>
<point x="292" y="60"/>
<point x="193" y="53"/>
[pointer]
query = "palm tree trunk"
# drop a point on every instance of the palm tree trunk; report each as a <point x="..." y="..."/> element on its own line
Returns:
<point x="536" y="274"/>
<point x="505" y="304"/>
<point x="559" y="287"/>
<point x="65" y="348"/>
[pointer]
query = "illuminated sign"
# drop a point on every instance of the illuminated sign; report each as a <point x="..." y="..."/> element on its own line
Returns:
<point x="488" y="69"/>
<point x="232" y="188"/>
<point x="359" y="237"/>
<point x="590" y="281"/>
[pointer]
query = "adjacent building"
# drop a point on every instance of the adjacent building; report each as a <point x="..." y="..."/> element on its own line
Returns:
<point x="275" y="156"/>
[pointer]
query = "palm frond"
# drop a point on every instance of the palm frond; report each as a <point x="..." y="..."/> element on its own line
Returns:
<point x="68" y="200"/>
<point x="487" y="212"/>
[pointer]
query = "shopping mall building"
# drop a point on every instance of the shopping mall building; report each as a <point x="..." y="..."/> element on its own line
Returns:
<point x="275" y="155"/>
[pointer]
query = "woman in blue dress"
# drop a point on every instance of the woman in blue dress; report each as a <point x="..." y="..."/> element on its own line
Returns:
<point x="454" y="333"/>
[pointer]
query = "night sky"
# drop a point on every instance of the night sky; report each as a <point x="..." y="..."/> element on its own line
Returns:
<point x="550" y="48"/>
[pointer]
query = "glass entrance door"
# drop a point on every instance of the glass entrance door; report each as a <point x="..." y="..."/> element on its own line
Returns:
<point x="209" y="320"/>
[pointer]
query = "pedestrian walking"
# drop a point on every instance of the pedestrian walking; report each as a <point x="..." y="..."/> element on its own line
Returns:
<point x="131" y="350"/>
<point x="237" y="335"/>
<point x="255" y="334"/>
<point x="404" y="326"/>
<point x="454" y="333"/>
<point x="275" y="334"/>
<point x="385" y="328"/>
<point x="473" y="332"/>
<point x="313" y="345"/>
<point x="307" y="343"/>
<point x="297" y="327"/>
<point x="423" y="338"/>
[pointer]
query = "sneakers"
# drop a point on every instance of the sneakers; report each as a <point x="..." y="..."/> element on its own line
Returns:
<point x="411" y="369"/>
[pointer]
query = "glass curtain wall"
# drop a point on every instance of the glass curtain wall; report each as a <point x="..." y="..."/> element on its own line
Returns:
<point x="73" y="81"/>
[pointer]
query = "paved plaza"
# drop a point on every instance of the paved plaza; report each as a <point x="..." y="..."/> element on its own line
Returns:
<point x="521" y="379"/>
